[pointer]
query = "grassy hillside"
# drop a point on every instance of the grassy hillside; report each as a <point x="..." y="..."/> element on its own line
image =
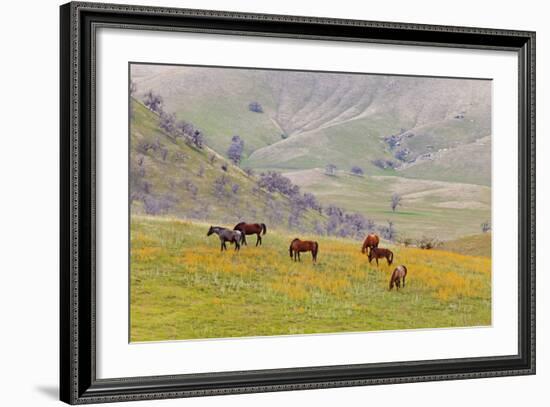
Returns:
<point x="465" y="163"/>
<point x="429" y="208"/>
<point x="182" y="287"/>
<point x="327" y="118"/>
<point x="475" y="245"/>
<point x="169" y="176"/>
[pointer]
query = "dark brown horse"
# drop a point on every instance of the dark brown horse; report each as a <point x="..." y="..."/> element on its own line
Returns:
<point x="371" y="241"/>
<point x="377" y="253"/>
<point x="398" y="274"/>
<point x="297" y="246"/>
<point x="251" y="229"/>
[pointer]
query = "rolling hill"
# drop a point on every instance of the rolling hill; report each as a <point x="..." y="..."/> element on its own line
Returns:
<point x="168" y="176"/>
<point x="311" y="119"/>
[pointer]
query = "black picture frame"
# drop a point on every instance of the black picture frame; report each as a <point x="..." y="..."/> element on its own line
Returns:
<point x="78" y="382"/>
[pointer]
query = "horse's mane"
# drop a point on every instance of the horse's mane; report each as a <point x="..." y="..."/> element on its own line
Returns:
<point x="295" y="240"/>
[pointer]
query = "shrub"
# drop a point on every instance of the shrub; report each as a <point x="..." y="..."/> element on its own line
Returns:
<point x="153" y="101"/>
<point x="255" y="107"/>
<point x="167" y="122"/>
<point x="330" y="169"/>
<point x="275" y="182"/>
<point x="402" y="154"/>
<point x="157" y="205"/>
<point x="428" y="243"/>
<point x="388" y="232"/>
<point x="355" y="170"/>
<point x="235" y="150"/>
<point x="219" y="186"/>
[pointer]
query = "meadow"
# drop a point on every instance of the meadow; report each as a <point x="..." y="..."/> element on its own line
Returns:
<point x="182" y="287"/>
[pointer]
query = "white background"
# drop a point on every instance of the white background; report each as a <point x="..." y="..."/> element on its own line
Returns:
<point x="29" y="208"/>
<point x="117" y="358"/>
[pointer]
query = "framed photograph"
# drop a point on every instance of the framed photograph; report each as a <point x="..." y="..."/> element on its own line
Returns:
<point x="254" y="203"/>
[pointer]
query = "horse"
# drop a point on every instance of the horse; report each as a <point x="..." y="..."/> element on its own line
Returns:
<point x="297" y="246"/>
<point x="376" y="253"/>
<point x="251" y="229"/>
<point x="399" y="273"/>
<point x="371" y="241"/>
<point x="226" y="235"/>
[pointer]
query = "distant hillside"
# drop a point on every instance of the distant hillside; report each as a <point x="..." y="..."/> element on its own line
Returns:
<point x="444" y="210"/>
<point x="170" y="177"/>
<point x="475" y="245"/>
<point x="312" y="119"/>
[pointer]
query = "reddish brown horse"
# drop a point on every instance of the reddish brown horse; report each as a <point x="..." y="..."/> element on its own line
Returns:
<point x="377" y="253"/>
<point x="251" y="229"/>
<point x="371" y="241"/>
<point x="398" y="274"/>
<point x="297" y="246"/>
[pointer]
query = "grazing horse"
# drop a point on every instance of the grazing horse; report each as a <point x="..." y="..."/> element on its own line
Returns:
<point x="226" y="235"/>
<point x="376" y="253"/>
<point x="371" y="242"/>
<point x="297" y="246"/>
<point x="399" y="273"/>
<point x="251" y="229"/>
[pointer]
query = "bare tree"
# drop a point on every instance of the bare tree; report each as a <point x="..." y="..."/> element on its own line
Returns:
<point x="395" y="201"/>
<point x="167" y="122"/>
<point x="133" y="88"/>
<point x="235" y="150"/>
<point x="486" y="226"/>
<point x="388" y="232"/>
<point x="330" y="169"/>
<point x="153" y="101"/>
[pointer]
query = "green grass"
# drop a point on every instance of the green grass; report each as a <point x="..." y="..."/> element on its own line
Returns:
<point x="182" y="287"/>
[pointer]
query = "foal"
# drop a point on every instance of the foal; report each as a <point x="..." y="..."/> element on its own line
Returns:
<point x="399" y="273"/>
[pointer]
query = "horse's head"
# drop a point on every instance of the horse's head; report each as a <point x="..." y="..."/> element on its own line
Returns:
<point x="210" y="231"/>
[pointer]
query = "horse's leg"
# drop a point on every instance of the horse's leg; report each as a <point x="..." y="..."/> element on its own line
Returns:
<point x="244" y="239"/>
<point x="403" y="281"/>
<point x="299" y="259"/>
<point x="222" y="245"/>
<point x="258" y="240"/>
<point x="376" y="261"/>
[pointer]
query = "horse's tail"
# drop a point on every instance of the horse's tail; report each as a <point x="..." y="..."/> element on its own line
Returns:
<point x="315" y="248"/>
<point x="264" y="228"/>
<point x="390" y="257"/>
